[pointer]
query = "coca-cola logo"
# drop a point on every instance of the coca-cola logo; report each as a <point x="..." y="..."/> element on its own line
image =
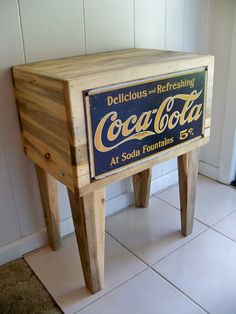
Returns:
<point x="137" y="127"/>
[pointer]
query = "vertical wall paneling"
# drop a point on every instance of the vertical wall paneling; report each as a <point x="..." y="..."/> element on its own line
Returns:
<point x="227" y="163"/>
<point x="109" y="25"/>
<point x="21" y="173"/>
<point x="175" y="25"/>
<point x="164" y="182"/>
<point x="119" y="195"/>
<point x="9" y="225"/>
<point x="52" y="28"/>
<point x="150" y="23"/>
<point x="38" y="30"/>
<point x="169" y="166"/>
<point x="195" y="22"/>
<point x="156" y="171"/>
<point x="115" y="189"/>
<point x="63" y="202"/>
<point x="221" y="39"/>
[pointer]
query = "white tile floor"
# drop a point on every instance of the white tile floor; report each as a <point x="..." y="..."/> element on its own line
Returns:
<point x="149" y="266"/>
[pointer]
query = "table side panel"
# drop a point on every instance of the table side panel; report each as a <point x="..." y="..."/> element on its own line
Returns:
<point x="42" y="114"/>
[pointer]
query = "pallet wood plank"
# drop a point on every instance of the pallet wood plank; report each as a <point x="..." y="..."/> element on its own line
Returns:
<point x="55" y="88"/>
<point x="48" y="191"/>
<point x="141" y="185"/>
<point x="188" y="171"/>
<point x="89" y="221"/>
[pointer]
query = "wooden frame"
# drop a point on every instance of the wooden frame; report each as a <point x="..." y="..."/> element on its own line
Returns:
<point x="50" y="102"/>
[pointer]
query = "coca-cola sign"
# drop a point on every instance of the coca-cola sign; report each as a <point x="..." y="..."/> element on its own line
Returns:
<point x="129" y="123"/>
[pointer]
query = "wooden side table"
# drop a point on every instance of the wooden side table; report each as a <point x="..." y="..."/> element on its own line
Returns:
<point x="91" y="120"/>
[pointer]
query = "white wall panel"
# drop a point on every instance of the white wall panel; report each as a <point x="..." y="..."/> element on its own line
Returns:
<point x="116" y="188"/>
<point x="61" y="28"/>
<point x="164" y="182"/>
<point x="109" y="25"/>
<point x="228" y="149"/>
<point x="169" y="166"/>
<point x="63" y="202"/>
<point x="156" y="171"/>
<point x="175" y="25"/>
<point x="221" y="37"/>
<point x="21" y="173"/>
<point x="195" y="22"/>
<point x="52" y="28"/>
<point x="150" y="23"/>
<point x="9" y="225"/>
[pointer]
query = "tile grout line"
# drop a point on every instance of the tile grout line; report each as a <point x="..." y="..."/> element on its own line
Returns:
<point x="149" y="267"/>
<point x="114" y="288"/>
<point x="227" y="237"/>
<point x="127" y="249"/>
<point x="117" y="195"/>
<point x="146" y="263"/>
<point x="195" y="218"/>
<point x="158" y="260"/>
<point x="178" y="289"/>
<point x="117" y="212"/>
<point x="136" y="275"/>
<point x="234" y="210"/>
<point x="179" y="247"/>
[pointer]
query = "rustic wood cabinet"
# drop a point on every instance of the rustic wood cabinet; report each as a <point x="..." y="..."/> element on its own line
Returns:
<point x="90" y="120"/>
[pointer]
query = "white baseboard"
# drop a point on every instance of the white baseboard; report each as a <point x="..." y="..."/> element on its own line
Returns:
<point x="119" y="202"/>
<point x="22" y="246"/>
<point x="164" y="182"/>
<point x="67" y="226"/>
<point x="208" y="170"/>
<point x="32" y="242"/>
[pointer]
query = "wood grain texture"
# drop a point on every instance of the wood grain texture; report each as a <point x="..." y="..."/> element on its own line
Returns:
<point x="89" y="221"/>
<point x="188" y="171"/>
<point x="157" y="63"/>
<point x="141" y="186"/>
<point x="87" y="188"/>
<point x="73" y="67"/>
<point x="51" y="107"/>
<point x="42" y="112"/>
<point x="50" y="98"/>
<point x="48" y="191"/>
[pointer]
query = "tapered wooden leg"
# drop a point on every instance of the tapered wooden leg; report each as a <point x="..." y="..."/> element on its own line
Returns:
<point x="141" y="185"/>
<point x="188" y="171"/>
<point x="89" y="221"/>
<point x="48" y="191"/>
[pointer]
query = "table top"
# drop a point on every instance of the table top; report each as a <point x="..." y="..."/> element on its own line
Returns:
<point x="69" y="68"/>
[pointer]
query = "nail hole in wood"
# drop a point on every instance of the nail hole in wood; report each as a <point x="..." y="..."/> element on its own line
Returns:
<point x="47" y="156"/>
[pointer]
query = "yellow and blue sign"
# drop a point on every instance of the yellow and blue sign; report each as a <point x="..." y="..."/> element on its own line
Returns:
<point x="135" y="121"/>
